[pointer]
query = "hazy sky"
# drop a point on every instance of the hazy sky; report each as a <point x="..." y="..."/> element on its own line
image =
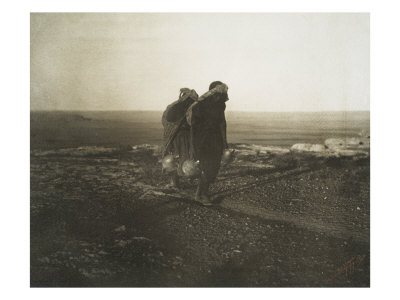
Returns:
<point x="271" y="62"/>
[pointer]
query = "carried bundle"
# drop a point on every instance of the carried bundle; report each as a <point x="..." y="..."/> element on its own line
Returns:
<point x="176" y="131"/>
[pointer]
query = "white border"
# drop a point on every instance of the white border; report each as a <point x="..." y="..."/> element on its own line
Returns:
<point x="15" y="147"/>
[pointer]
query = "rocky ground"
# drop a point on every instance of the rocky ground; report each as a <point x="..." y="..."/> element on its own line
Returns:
<point x="103" y="217"/>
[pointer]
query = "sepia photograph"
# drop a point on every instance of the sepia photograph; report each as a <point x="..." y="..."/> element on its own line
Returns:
<point x="199" y="150"/>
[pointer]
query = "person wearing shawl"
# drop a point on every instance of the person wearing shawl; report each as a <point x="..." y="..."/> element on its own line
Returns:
<point x="206" y="118"/>
<point x="177" y="131"/>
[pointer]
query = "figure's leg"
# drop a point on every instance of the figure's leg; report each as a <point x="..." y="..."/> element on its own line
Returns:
<point x="174" y="180"/>
<point x="197" y="197"/>
<point x="202" y="191"/>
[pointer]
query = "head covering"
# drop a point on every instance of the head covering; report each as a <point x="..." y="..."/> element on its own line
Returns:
<point x="222" y="87"/>
<point x="185" y="92"/>
<point x="214" y="84"/>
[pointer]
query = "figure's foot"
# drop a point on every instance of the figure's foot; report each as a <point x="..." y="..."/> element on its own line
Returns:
<point x="174" y="183"/>
<point x="206" y="201"/>
<point x="202" y="194"/>
<point x="198" y="195"/>
<point x="203" y="199"/>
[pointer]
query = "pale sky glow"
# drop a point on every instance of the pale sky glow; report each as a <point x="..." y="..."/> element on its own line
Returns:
<point x="271" y="62"/>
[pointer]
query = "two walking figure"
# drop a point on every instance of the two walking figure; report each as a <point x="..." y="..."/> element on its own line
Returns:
<point x="195" y="134"/>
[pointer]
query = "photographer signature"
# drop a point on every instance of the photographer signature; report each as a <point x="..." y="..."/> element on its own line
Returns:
<point x="348" y="267"/>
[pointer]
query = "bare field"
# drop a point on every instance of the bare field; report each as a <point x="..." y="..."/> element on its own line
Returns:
<point x="102" y="215"/>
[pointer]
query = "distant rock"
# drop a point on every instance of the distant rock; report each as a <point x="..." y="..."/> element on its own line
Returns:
<point x="301" y="147"/>
<point x="335" y="143"/>
<point x="318" y="148"/>
<point x="269" y="149"/>
<point x="358" y="142"/>
<point x="308" y="147"/>
<point x="347" y="152"/>
<point x="153" y="149"/>
<point x="349" y="147"/>
<point x="146" y="147"/>
<point x="244" y="150"/>
<point x="353" y="141"/>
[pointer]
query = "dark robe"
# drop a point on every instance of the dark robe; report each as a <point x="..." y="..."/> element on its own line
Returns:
<point x="176" y="128"/>
<point x="208" y="132"/>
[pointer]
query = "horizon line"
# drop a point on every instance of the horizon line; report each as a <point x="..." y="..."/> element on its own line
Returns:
<point x="159" y="110"/>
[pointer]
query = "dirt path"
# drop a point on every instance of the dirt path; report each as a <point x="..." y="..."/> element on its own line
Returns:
<point x="329" y="224"/>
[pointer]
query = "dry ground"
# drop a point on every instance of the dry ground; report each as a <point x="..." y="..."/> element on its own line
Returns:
<point x="104" y="217"/>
